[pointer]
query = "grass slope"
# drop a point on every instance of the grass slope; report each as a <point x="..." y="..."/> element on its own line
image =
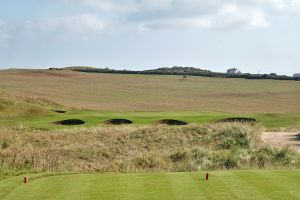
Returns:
<point x="129" y="93"/>
<point x="162" y="186"/>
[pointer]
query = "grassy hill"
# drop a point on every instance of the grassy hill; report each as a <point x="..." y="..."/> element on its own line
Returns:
<point x="131" y="93"/>
<point x="12" y="107"/>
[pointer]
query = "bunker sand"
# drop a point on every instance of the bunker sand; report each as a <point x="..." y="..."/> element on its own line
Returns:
<point x="281" y="139"/>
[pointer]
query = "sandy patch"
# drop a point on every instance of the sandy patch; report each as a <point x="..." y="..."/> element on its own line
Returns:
<point x="281" y="139"/>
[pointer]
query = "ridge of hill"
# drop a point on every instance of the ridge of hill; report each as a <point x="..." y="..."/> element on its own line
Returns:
<point x="185" y="71"/>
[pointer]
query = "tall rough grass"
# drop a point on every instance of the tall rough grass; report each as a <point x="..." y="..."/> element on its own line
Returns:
<point x="12" y="106"/>
<point x="137" y="148"/>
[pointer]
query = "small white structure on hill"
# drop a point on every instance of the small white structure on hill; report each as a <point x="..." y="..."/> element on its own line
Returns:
<point x="296" y="75"/>
<point x="233" y="71"/>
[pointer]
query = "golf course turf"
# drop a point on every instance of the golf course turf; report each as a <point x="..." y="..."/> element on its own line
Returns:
<point x="98" y="118"/>
<point x="281" y="184"/>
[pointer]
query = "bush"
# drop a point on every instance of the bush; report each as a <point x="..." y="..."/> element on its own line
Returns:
<point x="146" y="162"/>
<point x="179" y="156"/>
<point x="286" y="157"/>
<point x="4" y="143"/>
<point x="233" y="136"/>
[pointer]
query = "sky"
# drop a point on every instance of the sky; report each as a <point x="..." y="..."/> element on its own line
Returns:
<point x="256" y="36"/>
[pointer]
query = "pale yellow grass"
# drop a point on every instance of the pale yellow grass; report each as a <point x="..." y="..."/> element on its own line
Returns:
<point x="115" y="92"/>
<point x="141" y="148"/>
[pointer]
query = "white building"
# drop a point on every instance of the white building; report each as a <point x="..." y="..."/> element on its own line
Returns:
<point x="297" y="75"/>
<point x="233" y="71"/>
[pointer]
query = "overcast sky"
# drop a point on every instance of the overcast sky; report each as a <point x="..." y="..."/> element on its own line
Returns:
<point x="253" y="35"/>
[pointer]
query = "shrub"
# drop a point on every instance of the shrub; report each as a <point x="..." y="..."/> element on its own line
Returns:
<point x="4" y="144"/>
<point x="286" y="157"/>
<point x="146" y="162"/>
<point x="233" y="136"/>
<point x="178" y="156"/>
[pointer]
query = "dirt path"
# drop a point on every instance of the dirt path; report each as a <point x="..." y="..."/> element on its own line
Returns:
<point x="280" y="139"/>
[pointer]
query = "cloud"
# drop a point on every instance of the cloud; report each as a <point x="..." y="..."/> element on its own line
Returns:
<point x="131" y="5"/>
<point x="199" y="14"/>
<point x="228" y="16"/>
<point x="109" y="15"/>
<point x="232" y="15"/>
<point x="107" y="5"/>
<point x="100" y="5"/>
<point x="81" y="24"/>
<point x="283" y="5"/>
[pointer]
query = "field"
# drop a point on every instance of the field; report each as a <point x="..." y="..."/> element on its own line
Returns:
<point x="143" y="99"/>
<point x="137" y="93"/>
<point x="229" y="185"/>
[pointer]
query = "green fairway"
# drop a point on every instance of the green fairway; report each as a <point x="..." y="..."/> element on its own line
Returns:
<point x="94" y="118"/>
<point x="221" y="185"/>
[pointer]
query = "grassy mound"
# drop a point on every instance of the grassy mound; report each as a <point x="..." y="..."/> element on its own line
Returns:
<point x="141" y="148"/>
<point x="12" y="107"/>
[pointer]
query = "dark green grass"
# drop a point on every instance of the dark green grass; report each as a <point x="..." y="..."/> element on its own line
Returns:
<point x="160" y="186"/>
<point x="94" y="118"/>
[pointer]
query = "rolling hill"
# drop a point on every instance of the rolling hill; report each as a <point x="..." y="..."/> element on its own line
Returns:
<point x="131" y="93"/>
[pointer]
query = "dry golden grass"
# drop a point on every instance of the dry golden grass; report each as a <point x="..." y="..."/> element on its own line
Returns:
<point x="141" y="148"/>
<point x="115" y="92"/>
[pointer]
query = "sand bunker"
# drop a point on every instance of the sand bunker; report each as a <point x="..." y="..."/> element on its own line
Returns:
<point x="172" y="122"/>
<point x="237" y="120"/>
<point x="59" y="111"/>
<point x="282" y="139"/>
<point x="69" y="122"/>
<point x="118" y="121"/>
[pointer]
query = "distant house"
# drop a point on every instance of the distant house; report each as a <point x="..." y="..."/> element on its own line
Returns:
<point x="296" y="75"/>
<point x="233" y="71"/>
